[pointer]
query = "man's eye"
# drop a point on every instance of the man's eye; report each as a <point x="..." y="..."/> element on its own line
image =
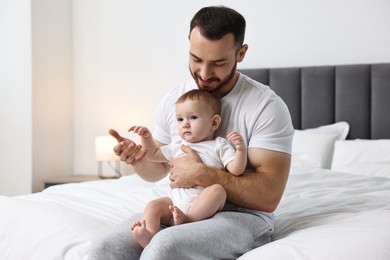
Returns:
<point x="219" y="64"/>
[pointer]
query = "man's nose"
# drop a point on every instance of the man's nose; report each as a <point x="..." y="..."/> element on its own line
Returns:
<point x="206" y="72"/>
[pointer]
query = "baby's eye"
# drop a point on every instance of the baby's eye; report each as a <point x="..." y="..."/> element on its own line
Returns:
<point x="194" y="117"/>
<point x="179" y="119"/>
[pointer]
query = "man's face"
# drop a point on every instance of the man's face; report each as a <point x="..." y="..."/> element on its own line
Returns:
<point x="213" y="63"/>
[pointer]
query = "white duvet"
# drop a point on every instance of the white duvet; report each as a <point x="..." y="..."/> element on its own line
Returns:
<point x="323" y="215"/>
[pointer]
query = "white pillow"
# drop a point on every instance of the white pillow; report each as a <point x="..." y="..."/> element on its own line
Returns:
<point x="365" y="157"/>
<point x="314" y="147"/>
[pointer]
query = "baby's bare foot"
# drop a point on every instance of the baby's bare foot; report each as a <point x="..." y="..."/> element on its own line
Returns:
<point x="141" y="234"/>
<point x="178" y="216"/>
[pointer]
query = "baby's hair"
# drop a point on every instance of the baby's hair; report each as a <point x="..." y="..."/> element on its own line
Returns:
<point x="202" y="95"/>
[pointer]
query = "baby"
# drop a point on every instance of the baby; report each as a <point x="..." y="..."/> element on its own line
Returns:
<point x="198" y="117"/>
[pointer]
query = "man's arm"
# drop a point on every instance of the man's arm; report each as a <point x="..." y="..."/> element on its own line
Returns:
<point x="131" y="153"/>
<point x="261" y="189"/>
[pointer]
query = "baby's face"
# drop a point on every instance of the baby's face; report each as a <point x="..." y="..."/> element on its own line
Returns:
<point x="195" y="120"/>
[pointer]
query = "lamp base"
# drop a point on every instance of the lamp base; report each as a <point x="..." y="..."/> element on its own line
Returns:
<point x="116" y="169"/>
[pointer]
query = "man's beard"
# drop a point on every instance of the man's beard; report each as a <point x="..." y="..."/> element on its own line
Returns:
<point x="222" y="83"/>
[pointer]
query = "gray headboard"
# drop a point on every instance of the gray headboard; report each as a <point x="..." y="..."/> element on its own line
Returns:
<point x="358" y="94"/>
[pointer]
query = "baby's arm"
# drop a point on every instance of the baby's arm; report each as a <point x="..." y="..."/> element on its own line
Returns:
<point x="238" y="164"/>
<point x="153" y="153"/>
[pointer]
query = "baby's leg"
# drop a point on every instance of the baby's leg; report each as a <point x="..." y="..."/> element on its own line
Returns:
<point x="178" y="216"/>
<point x="156" y="213"/>
<point x="141" y="234"/>
<point x="209" y="201"/>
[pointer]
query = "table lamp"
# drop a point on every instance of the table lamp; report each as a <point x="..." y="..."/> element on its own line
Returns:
<point x="104" y="153"/>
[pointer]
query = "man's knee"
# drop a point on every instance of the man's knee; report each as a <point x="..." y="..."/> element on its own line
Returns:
<point x="166" y="244"/>
<point x="100" y="250"/>
<point x="118" y="245"/>
<point x="115" y="247"/>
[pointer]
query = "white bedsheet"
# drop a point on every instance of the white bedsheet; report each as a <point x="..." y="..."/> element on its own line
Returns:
<point x="323" y="215"/>
<point x="331" y="215"/>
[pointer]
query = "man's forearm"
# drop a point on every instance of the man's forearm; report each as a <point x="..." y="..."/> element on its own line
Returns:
<point x="252" y="190"/>
<point x="261" y="189"/>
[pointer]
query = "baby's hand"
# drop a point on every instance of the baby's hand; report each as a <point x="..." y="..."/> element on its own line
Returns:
<point x="141" y="131"/>
<point x="237" y="140"/>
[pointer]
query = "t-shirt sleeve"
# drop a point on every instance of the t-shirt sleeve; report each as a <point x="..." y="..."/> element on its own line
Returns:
<point x="273" y="129"/>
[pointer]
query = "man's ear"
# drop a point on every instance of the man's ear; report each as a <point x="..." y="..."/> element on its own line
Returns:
<point x="241" y="53"/>
<point x="216" y="122"/>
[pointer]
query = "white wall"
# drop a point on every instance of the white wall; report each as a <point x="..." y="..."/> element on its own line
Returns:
<point x="15" y="98"/>
<point x="52" y="67"/>
<point x="302" y="32"/>
<point x="36" y="93"/>
<point x="127" y="54"/>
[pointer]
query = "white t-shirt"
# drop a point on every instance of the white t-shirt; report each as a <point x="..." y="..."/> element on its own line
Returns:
<point x="251" y="109"/>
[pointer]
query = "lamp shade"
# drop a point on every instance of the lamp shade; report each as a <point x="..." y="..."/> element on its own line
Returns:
<point x="104" y="148"/>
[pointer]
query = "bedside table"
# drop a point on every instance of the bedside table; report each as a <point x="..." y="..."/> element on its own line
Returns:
<point x="70" y="179"/>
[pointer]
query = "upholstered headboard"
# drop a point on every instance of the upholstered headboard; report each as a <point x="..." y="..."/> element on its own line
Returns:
<point x="321" y="95"/>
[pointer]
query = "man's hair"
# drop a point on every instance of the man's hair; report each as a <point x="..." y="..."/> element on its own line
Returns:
<point x="201" y="95"/>
<point x="214" y="22"/>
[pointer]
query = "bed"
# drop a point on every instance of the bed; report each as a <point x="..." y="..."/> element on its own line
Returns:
<point x="337" y="200"/>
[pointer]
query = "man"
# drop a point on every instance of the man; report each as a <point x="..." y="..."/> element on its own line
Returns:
<point x="248" y="107"/>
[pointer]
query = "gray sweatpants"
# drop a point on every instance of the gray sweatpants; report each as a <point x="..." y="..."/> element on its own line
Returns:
<point x="227" y="235"/>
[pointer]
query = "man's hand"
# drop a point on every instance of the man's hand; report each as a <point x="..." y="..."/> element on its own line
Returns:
<point x="127" y="150"/>
<point x="186" y="170"/>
